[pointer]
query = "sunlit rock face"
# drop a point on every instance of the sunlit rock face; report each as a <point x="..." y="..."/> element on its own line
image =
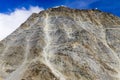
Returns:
<point x="63" y="44"/>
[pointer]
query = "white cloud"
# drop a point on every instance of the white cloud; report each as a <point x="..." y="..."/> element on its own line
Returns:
<point x="83" y="4"/>
<point x="10" y="22"/>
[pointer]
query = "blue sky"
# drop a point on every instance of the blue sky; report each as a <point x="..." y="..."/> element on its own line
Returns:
<point x="14" y="12"/>
<point x="112" y="6"/>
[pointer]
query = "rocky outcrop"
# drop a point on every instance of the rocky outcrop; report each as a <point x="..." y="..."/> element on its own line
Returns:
<point x="63" y="44"/>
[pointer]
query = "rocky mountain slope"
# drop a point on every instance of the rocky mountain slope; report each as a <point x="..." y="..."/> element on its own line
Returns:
<point x="63" y="44"/>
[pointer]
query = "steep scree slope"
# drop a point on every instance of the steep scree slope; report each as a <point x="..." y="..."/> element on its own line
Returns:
<point x="63" y="44"/>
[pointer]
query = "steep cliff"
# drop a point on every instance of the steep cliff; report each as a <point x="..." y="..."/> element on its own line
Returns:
<point x="63" y="44"/>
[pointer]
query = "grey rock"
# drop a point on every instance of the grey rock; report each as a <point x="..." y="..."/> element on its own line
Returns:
<point x="63" y="44"/>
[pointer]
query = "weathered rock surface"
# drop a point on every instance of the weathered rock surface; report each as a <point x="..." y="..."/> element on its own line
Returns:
<point x="63" y="44"/>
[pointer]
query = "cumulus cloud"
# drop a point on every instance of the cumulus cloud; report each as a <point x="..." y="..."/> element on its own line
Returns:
<point x="10" y="22"/>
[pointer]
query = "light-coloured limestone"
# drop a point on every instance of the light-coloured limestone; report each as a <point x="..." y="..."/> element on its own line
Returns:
<point x="63" y="44"/>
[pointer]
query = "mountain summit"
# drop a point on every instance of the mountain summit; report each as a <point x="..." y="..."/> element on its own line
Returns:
<point x="63" y="44"/>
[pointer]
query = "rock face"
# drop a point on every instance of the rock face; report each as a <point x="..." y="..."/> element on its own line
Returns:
<point x="63" y="44"/>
